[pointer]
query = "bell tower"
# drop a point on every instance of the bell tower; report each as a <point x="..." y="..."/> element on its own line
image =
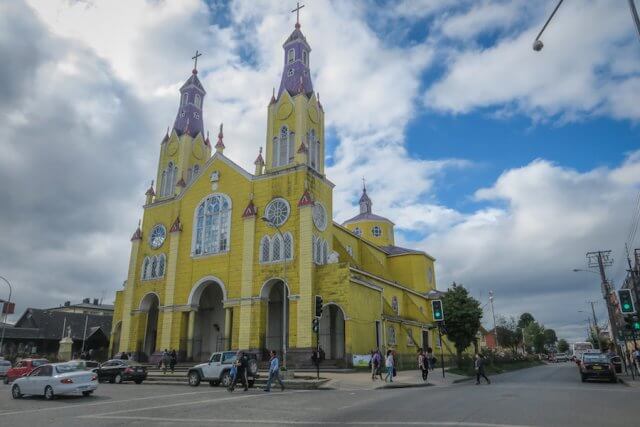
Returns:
<point x="295" y="125"/>
<point x="185" y="149"/>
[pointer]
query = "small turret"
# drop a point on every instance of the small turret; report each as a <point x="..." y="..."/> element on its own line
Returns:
<point x="150" y="194"/>
<point x="220" y="145"/>
<point x="259" y="163"/>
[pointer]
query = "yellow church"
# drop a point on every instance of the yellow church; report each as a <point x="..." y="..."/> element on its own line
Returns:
<point x="229" y="259"/>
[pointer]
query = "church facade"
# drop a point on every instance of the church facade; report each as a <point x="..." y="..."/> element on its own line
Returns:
<point x="229" y="259"/>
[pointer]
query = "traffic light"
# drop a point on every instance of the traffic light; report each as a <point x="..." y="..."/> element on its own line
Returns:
<point x="315" y="325"/>
<point x="318" y="306"/>
<point x="635" y="324"/>
<point x="626" y="301"/>
<point x="438" y="313"/>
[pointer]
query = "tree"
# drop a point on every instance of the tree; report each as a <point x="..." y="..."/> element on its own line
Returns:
<point x="563" y="346"/>
<point x="525" y="319"/>
<point x="507" y="331"/>
<point x="550" y="337"/>
<point x="462" y="318"/>
<point x="534" y="336"/>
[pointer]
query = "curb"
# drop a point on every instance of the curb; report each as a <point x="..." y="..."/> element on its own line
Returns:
<point x="461" y="380"/>
<point x="623" y="382"/>
<point x="405" y="385"/>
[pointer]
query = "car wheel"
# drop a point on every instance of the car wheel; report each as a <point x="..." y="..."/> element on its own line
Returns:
<point x="15" y="391"/>
<point x="111" y="380"/>
<point x="48" y="393"/>
<point x="194" y="379"/>
<point x="214" y="383"/>
<point x="138" y="381"/>
<point x="87" y="393"/>
<point x="118" y="379"/>
<point x="226" y="379"/>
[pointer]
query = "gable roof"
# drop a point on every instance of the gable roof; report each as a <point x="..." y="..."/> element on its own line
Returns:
<point x="50" y="323"/>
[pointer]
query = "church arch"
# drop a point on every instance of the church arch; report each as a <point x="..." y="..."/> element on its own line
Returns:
<point x="207" y="298"/>
<point x="150" y="304"/>
<point x="332" y="331"/>
<point x="273" y="292"/>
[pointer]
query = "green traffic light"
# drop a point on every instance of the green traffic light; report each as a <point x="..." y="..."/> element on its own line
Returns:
<point x="438" y="314"/>
<point x="636" y="326"/>
<point x="626" y="306"/>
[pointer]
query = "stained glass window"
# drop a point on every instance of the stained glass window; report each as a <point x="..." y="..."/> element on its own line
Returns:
<point x="211" y="234"/>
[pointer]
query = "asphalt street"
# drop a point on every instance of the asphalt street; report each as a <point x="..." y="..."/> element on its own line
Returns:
<point x="550" y="395"/>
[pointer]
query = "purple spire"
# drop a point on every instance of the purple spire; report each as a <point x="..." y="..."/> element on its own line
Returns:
<point x="365" y="201"/>
<point x="295" y="74"/>
<point x="189" y="117"/>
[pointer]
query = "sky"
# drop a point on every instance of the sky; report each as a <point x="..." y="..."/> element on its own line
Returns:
<point x="505" y="164"/>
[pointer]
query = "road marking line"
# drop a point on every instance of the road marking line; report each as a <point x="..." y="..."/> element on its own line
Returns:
<point x="319" y="422"/>
<point x="111" y="402"/>
<point x="174" y="405"/>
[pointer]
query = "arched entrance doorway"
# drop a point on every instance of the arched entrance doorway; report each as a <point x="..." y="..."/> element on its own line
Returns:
<point x="209" y="324"/>
<point x="274" y="292"/>
<point x="115" y="339"/>
<point x="332" y="332"/>
<point x="150" y="304"/>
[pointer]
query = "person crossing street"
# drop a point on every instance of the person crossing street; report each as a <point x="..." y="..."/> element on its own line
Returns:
<point x="479" y="366"/>
<point x="274" y="372"/>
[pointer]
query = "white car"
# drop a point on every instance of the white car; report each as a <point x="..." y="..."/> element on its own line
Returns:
<point x="5" y="365"/>
<point x="55" y="379"/>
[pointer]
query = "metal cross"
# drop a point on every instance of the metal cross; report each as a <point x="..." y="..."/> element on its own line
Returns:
<point x="297" y="11"/>
<point x="195" y="58"/>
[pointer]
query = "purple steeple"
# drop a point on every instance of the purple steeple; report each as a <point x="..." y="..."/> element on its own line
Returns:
<point x="365" y="201"/>
<point x="296" y="77"/>
<point x="189" y="117"/>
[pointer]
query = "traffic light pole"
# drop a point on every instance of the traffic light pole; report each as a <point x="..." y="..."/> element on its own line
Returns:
<point x="318" y="350"/>
<point x="441" y="347"/>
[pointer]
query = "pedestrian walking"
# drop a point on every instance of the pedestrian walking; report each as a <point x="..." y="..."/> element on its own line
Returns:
<point x="242" y="363"/>
<point x="388" y="363"/>
<point x="423" y="364"/>
<point x="165" y="360"/>
<point x="375" y="364"/>
<point x="274" y="372"/>
<point x="431" y="360"/>
<point x="479" y="366"/>
<point x="173" y="360"/>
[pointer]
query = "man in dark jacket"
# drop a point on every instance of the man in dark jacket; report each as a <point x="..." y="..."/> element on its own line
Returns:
<point x="479" y="366"/>
<point x="242" y="364"/>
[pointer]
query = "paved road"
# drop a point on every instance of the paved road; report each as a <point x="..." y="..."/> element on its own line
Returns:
<point x="542" y="396"/>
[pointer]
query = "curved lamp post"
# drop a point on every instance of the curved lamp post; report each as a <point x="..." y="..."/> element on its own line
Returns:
<point x="284" y="291"/>
<point x="4" y="321"/>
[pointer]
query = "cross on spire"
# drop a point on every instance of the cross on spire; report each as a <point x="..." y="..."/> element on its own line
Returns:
<point x="364" y="184"/>
<point x="195" y="63"/>
<point x="297" y="11"/>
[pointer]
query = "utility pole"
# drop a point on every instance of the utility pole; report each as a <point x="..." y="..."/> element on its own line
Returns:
<point x="602" y="259"/>
<point x="595" y="323"/>
<point x="495" y="330"/>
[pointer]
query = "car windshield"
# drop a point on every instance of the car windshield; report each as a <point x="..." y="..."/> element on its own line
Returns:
<point x="68" y="367"/>
<point x="39" y="362"/>
<point x="595" y="358"/>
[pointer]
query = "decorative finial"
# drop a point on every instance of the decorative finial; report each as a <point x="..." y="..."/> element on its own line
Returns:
<point x="364" y="185"/>
<point x="195" y="62"/>
<point x="259" y="160"/>
<point x="273" y="97"/>
<point x="297" y="11"/>
<point x="220" y="144"/>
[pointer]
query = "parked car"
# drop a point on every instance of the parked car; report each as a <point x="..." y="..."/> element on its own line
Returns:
<point x="117" y="371"/>
<point x="5" y="365"/>
<point x="596" y="365"/>
<point x="561" y="357"/>
<point x="217" y="370"/>
<point x="55" y="379"/>
<point x="23" y="368"/>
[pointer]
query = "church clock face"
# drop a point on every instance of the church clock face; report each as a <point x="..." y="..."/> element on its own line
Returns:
<point x="158" y="234"/>
<point x="319" y="216"/>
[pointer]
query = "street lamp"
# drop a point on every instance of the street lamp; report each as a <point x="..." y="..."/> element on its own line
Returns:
<point x="4" y="321"/>
<point x="284" y="290"/>
<point x="493" y="314"/>
<point x="538" y="45"/>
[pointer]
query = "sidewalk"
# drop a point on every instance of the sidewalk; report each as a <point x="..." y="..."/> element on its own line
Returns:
<point x="362" y="380"/>
<point x="628" y="381"/>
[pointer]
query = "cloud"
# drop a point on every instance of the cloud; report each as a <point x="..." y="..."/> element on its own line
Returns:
<point x="540" y="220"/>
<point x="581" y="71"/>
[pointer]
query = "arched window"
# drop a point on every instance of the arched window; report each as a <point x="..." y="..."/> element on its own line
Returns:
<point x="265" y="249"/>
<point x="169" y="180"/>
<point x="154" y="267"/>
<point x="185" y="98"/>
<point x="288" y="246"/>
<point x="357" y="231"/>
<point x="161" y="265"/>
<point x="163" y="183"/>
<point x="284" y="146"/>
<point x="376" y="231"/>
<point x="291" y="55"/>
<point x="197" y="100"/>
<point x="276" y="151"/>
<point x="145" y="269"/>
<point x="276" y="248"/>
<point x="325" y="251"/>
<point x="211" y="233"/>
<point x="304" y="57"/>
<point x="196" y="170"/>
<point x="317" y="250"/>
<point x="313" y="154"/>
